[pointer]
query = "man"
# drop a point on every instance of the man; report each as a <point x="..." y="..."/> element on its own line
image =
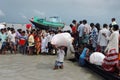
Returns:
<point x="75" y="23"/>
<point x="80" y="32"/>
<point x="93" y="36"/>
<point x="113" y="21"/>
<point x="13" y="39"/>
<point x="3" y="38"/>
<point x="102" y="41"/>
<point x="74" y="34"/>
<point x="87" y="30"/>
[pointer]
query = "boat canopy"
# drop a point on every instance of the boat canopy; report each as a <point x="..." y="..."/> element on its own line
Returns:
<point x="54" y="19"/>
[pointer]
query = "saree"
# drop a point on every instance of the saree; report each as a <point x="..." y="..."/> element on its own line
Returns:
<point x="37" y="45"/>
<point x="111" y="60"/>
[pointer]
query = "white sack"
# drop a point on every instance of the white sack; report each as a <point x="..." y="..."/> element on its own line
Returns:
<point x="62" y="39"/>
<point x="97" y="58"/>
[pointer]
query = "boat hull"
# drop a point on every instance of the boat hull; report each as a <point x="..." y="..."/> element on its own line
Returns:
<point x="103" y="73"/>
<point x="41" y="26"/>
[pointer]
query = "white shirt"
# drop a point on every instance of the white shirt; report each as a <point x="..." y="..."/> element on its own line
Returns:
<point x="102" y="41"/>
<point x="60" y="55"/>
<point x="44" y="44"/>
<point x="49" y="37"/>
<point x="87" y="29"/>
<point x="114" y="23"/>
<point x="12" y="37"/>
<point x="113" y="41"/>
<point x="8" y="33"/>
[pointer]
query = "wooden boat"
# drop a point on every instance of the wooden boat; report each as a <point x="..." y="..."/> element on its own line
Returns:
<point x="103" y="73"/>
<point x="98" y="69"/>
<point x="52" y="23"/>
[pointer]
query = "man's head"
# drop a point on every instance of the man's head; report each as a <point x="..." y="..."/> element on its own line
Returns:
<point x="115" y="27"/>
<point x="105" y="25"/>
<point x="74" y="21"/>
<point x="71" y="25"/>
<point x="84" y="21"/>
<point x="23" y="33"/>
<point x="92" y="25"/>
<point x="80" y="22"/>
<point x="2" y="30"/>
<point x="113" y="19"/>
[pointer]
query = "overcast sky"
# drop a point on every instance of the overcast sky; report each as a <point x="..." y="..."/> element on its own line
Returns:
<point x="19" y="11"/>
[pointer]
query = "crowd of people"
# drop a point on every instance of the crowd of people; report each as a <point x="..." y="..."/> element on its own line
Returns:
<point x="92" y="36"/>
<point x="97" y="39"/>
<point x="26" y="42"/>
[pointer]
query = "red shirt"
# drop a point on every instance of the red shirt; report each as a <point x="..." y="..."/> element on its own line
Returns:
<point x="74" y="29"/>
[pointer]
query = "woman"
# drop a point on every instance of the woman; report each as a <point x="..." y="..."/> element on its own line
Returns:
<point x="111" y="60"/>
<point x="37" y="43"/>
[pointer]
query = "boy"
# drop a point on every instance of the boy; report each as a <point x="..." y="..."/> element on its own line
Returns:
<point x="23" y="43"/>
<point x="60" y="58"/>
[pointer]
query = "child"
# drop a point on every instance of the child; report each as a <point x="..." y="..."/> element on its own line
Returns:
<point x="23" y="42"/>
<point x="60" y="58"/>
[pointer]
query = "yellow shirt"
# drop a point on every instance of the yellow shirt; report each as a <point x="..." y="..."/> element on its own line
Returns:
<point x="31" y="40"/>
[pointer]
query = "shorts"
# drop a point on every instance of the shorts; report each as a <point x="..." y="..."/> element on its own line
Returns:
<point x="3" y="45"/>
<point x="58" y="63"/>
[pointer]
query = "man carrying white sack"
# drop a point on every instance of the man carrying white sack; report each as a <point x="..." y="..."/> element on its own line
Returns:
<point x="64" y="39"/>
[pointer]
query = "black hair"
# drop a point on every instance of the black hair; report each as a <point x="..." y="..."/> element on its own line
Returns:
<point x="74" y="21"/>
<point x="115" y="27"/>
<point x="113" y="19"/>
<point x="97" y="26"/>
<point x="12" y="29"/>
<point x="23" y="31"/>
<point x="1" y="29"/>
<point x="71" y="25"/>
<point x="8" y="28"/>
<point x="105" y="25"/>
<point x="91" y="24"/>
<point x="80" y="22"/>
<point x="110" y="26"/>
<point x="84" y="21"/>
